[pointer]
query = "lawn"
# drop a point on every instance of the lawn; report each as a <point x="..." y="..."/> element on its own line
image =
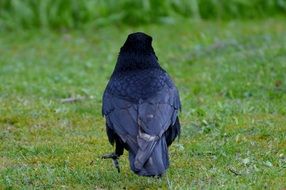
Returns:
<point x="232" y="83"/>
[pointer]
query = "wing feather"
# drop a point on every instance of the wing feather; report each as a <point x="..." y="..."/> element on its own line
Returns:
<point x="141" y="124"/>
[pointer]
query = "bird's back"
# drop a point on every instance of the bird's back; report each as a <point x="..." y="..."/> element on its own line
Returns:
<point x="138" y="84"/>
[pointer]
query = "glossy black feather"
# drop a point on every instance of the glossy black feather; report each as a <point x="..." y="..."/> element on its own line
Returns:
<point x="141" y="106"/>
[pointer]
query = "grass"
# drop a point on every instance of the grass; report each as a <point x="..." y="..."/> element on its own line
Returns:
<point x="232" y="82"/>
<point x="75" y="14"/>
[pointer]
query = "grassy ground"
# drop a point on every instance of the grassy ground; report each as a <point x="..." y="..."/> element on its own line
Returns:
<point x="232" y="81"/>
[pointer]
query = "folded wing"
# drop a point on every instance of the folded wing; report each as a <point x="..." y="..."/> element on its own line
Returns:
<point x="142" y="127"/>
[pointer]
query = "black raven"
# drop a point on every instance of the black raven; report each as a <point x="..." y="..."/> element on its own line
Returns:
<point x="141" y="105"/>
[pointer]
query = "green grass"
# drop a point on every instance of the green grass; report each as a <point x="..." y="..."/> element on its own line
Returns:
<point x="75" y="14"/>
<point x="232" y="82"/>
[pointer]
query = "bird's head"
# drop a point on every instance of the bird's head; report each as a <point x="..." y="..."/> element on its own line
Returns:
<point x="138" y="41"/>
<point x="137" y="53"/>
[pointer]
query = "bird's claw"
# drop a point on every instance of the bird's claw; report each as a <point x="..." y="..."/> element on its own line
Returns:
<point x="114" y="158"/>
<point x="111" y="156"/>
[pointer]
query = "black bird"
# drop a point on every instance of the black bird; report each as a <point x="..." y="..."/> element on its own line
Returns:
<point x="141" y="105"/>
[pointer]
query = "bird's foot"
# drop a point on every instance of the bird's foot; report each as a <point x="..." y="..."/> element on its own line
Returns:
<point x="114" y="158"/>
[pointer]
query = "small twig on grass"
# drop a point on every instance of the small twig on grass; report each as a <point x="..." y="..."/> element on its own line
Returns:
<point x="73" y="99"/>
<point x="234" y="172"/>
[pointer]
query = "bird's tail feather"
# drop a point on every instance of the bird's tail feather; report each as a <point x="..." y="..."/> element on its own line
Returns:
<point x="151" y="158"/>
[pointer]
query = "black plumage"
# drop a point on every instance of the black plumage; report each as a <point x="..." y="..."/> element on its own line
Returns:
<point x="141" y="105"/>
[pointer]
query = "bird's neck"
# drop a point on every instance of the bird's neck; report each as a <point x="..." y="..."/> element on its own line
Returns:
<point x="128" y="61"/>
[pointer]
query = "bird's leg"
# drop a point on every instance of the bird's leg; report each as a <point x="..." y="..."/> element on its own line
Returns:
<point x="114" y="158"/>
